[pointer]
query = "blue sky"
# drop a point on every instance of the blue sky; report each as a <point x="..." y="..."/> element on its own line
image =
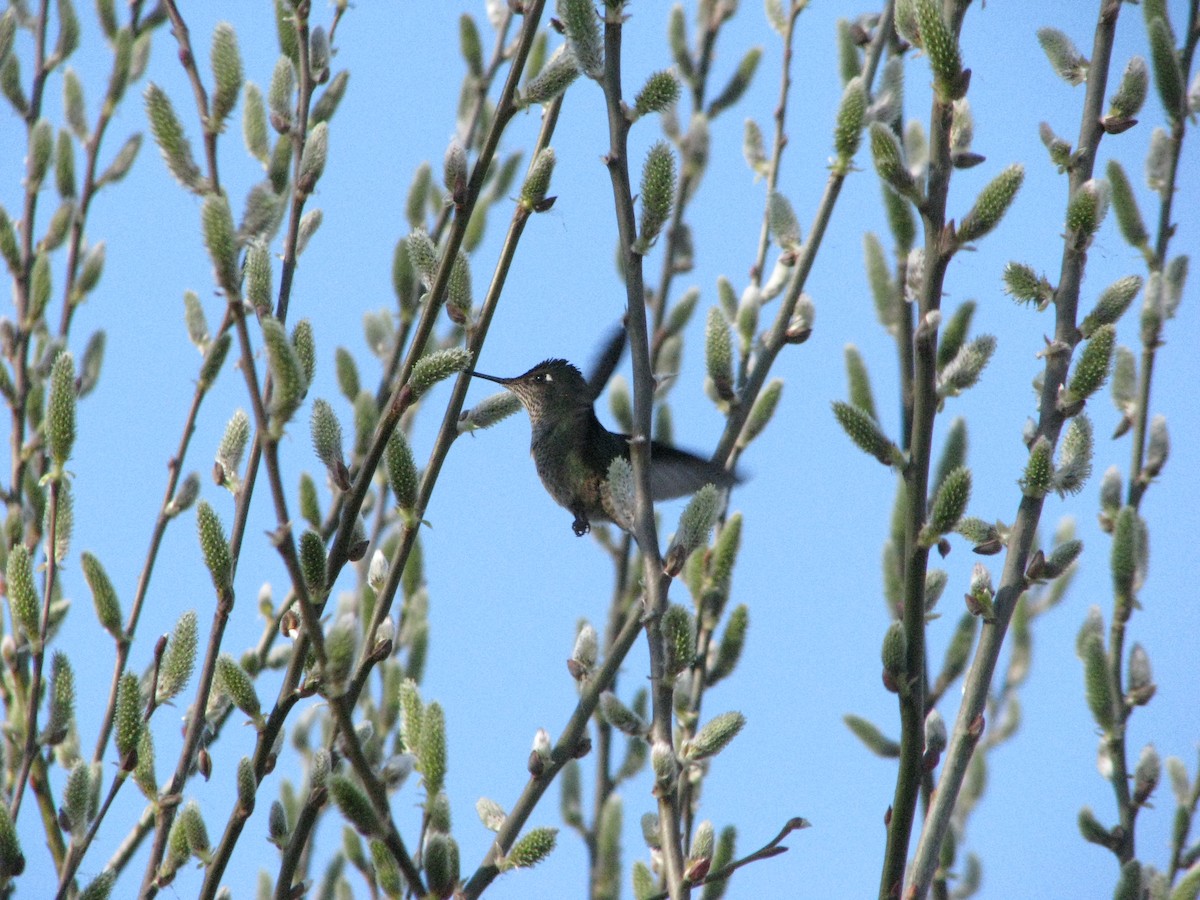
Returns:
<point x="508" y="581"/>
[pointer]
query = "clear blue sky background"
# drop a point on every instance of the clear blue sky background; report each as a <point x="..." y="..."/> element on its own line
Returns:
<point x="507" y="579"/>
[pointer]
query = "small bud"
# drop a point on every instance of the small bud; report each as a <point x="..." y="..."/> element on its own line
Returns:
<point x="431" y="755"/>
<point x="699" y="857"/>
<point x="660" y="92"/>
<point x="489" y="411"/>
<point x="1075" y="457"/>
<point x="62" y="701"/>
<point x="761" y="412"/>
<point x="441" y="858"/>
<point x="341" y="646"/>
<point x="537" y="182"/>
<point x="664" y="764"/>
<point x="991" y="205"/>
<point x="41" y="153"/>
<point x="1168" y="74"/>
<point x="1097" y="683"/>
<point x="948" y="506"/>
<point x="848" y="132"/>
<point x="1146" y="775"/>
<point x="221" y="242"/>
<point x="1127" y="102"/>
<point x="753" y="150"/>
<point x="1158" y="161"/>
<point x="679" y="639"/>
<point x="713" y="737"/>
<point x="60" y="412"/>
<point x="1112" y="304"/>
<point x="108" y="607"/>
<point x="318" y="54"/>
<point x="866" y="433"/>
<point x="1124" y="559"/>
<point x="889" y="161"/>
<point x="227" y="75"/>
<point x="533" y="847"/>
<point x="233" y="682"/>
<point x="1091" y="369"/>
<point x="437" y="366"/>
<point x="941" y="46"/>
<point x="327" y="437"/>
<point x="556" y="76"/>
<point x="1071" y="65"/>
<point x="168" y="134"/>
<point x="216" y="548"/>
<point x="313" y="564"/>
<point x="352" y="802"/>
<point x="22" y="595"/>
<point x="587" y="649"/>
<point x="980" y="595"/>
<point x="781" y="219"/>
<point x="737" y="85"/>
<point x="893" y="655"/>
<point x="695" y="525"/>
<point x="583" y="35"/>
<point x="621" y="717"/>
<point x="1140" y="682"/>
<point x="1087" y="207"/>
<point x="127" y="720"/>
<point x="1038" y="479"/>
<point x="1158" y="448"/>
<point x="287" y="372"/>
<point x="718" y="354"/>
<point x="657" y="194"/>
<point x="622" y="491"/>
<point x="963" y="371"/>
<point x="179" y="659"/>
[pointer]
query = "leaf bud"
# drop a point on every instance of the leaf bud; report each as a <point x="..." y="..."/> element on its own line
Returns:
<point x="437" y="366"/>
<point x="179" y="659"/>
<point x="556" y="76"/>
<point x="1140" y="682"/>
<point x="1074" y="465"/>
<point x="848" y="130"/>
<point x="127" y="720"/>
<point x="227" y="75"/>
<point x="1111" y="305"/>
<point x="352" y="802"/>
<point x="537" y="182"/>
<point x="215" y="547"/>
<point x="713" y="737"/>
<point x="893" y="655"/>
<point x="1091" y="369"/>
<point x="660" y="91"/>
<point x="1071" y="65"/>
<point x="657" y="195"/>
<point x="168" y="134"/>
<point x="1087" y="208"/>
<point x="761" y="413"/>
<point x="889" y="161"/>
<point x="866" y="433"/>
<point x="233" y="682"/>
<point x="679" y="639"/>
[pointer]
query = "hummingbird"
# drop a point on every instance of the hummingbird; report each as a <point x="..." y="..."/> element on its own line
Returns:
<point x="573" y="451"/>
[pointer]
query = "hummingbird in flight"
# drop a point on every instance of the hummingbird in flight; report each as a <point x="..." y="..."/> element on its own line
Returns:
<point x="573" y="451"/>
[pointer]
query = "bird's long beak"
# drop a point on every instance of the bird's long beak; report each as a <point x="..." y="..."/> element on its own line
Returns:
<point x="504" y="381"/>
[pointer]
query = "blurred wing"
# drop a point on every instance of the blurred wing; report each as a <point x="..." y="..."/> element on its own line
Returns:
<point x="677" y="473"/>
<point x="606" y="362"/>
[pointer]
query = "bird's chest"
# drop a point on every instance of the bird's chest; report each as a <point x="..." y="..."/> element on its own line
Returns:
<point x="565" y="468"/>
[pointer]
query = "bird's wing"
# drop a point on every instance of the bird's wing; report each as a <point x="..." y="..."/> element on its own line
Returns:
<point x="677" y="473"/>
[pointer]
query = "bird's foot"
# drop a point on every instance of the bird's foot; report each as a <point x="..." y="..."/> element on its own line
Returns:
<point x="581" y="525"/>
